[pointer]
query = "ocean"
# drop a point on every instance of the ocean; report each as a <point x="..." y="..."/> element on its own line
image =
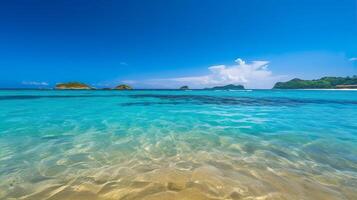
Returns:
<point x="171" y="144"/>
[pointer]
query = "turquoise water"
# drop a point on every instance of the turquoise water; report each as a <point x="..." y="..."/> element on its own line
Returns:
<point x="259" y="144"/>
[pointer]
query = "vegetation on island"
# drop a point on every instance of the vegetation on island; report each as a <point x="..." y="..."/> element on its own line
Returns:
<point x="322" y="83"/>
<point x="185" y="87"/>
<point x="123" y="87"/>
<point x="72" y="86"/>
<point x="227" y="87"/>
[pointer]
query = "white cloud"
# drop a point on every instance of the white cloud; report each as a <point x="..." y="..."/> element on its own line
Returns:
<point x="35" y="83"/>
<point x="252" y="75"/>
<point x="123" y="63"/>
<point x="353" y="59"/>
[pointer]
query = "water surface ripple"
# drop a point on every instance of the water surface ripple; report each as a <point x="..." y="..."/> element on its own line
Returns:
<point x="262" y="144"/>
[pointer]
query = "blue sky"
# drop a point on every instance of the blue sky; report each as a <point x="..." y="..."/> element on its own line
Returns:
<point x="165" y="44"/>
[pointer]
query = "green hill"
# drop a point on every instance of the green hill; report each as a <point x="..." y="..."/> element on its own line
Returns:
<point x="322" y="83"/>
<point x="227" y="87"/>
<point x="72" y="86"/>
<point x="123" y="87"/>
<point x="185" y="87"/>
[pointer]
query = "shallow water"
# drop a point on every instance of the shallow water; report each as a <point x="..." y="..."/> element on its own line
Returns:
<point x="260" y="144"/>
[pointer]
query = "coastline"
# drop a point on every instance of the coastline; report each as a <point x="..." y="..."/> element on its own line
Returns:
<point x="332" y="89"/>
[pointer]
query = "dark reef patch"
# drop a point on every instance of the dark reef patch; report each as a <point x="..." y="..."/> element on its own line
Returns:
<point x="193" y="99"/>
<point x="219" y="100"/>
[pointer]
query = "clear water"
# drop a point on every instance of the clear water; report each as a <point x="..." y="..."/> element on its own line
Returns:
<point x="260" y="144"/>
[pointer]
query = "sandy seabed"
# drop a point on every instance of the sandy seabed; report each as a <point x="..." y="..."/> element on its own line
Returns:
<point x="159" y="171"/>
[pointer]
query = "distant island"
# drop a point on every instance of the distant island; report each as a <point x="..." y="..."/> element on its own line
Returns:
<point x="296" y="83"/>
<point x="322" y="83"/>
<point x="123" y="87"/>
<point x="185" y="87"/>
<point x="83" y="86"/>
<point x="227" y="87"/>
<point x="73" y="86"/>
